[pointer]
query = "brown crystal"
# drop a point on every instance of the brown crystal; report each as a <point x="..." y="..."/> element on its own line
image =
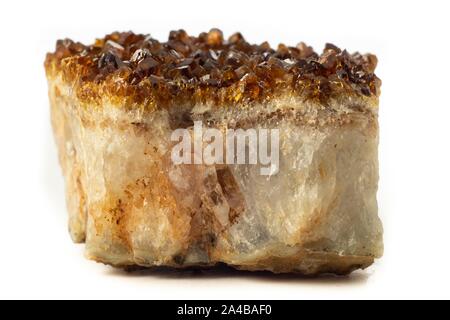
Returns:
<point x="222" y="71"/>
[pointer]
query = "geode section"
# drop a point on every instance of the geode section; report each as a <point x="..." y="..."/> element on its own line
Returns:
<point x="133" y="206"/>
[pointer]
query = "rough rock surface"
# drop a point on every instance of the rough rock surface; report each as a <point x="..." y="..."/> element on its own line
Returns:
<point x="133" y="207"/>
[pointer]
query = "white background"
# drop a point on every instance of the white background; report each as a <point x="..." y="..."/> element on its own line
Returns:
<point x="410" y="38"/>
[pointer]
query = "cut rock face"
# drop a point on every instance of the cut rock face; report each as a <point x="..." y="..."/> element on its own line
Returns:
<point x="116" y="104"/>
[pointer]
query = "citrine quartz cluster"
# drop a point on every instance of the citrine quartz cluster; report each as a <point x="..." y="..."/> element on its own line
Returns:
<point x="115" y="103"/>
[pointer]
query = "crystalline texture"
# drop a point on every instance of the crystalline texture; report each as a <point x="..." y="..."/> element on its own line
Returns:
<point x="114" y="105"/>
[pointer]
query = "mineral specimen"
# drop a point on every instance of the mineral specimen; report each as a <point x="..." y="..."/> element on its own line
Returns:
<point x="115" y="105"/>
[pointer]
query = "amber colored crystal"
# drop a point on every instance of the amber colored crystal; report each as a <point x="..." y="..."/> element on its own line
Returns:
<point x="217" y="69"/>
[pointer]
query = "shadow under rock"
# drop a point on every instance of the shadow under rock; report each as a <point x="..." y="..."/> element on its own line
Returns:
<point x="223" y="272"/>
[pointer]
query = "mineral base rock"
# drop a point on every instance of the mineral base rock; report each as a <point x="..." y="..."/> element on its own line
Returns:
<point x="134" y="207"/>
